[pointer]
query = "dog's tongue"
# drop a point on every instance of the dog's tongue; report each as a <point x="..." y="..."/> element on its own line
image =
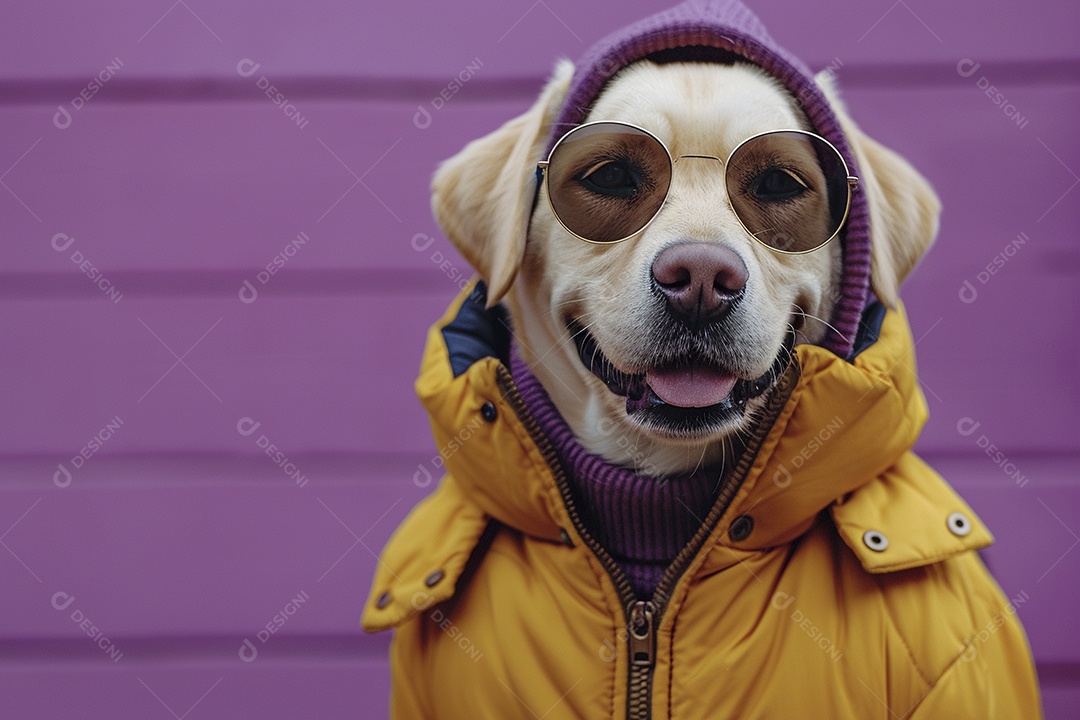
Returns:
<point x="694" y="386"/>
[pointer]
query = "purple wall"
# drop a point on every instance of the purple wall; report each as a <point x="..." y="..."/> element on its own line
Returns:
<point x="132" y="219"/>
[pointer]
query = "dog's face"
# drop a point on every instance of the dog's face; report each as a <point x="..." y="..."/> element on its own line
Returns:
<point x="672" y="327"/>
<point x="657" y="348"/>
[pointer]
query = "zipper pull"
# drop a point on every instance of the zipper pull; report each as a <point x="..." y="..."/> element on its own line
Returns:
<point x="642" y="640"/>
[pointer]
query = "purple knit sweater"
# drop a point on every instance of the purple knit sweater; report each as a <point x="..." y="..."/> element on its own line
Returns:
<point x="643" y="522"/>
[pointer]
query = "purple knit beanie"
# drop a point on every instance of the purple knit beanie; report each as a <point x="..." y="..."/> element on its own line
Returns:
<point x="694" y="29"/>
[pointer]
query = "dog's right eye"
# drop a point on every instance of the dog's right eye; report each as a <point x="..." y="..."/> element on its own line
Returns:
<point x="777" y="184"/>
<point x="613" y="178"/>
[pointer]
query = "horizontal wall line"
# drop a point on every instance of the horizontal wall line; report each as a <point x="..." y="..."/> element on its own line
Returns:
<point x="291" y="282"/>
<point x="1056" y="674"/>
<point x="284" y="648"/>
<point x="172" y="458"/>
<point x="1032" y="73"/>
<point x="154" y="469"/>
<point x="297" y="87"/>
<point x="1064" y="71"/>
<point x="1049" y="454"/>
<point x="19" y="469"/>
<point x="166" y="649"/>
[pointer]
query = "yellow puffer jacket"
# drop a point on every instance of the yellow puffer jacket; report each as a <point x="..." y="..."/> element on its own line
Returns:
<point x="856" y="594"/>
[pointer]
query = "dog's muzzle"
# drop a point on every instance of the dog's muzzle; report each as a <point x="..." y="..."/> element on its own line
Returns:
<point x="714" y="397"/>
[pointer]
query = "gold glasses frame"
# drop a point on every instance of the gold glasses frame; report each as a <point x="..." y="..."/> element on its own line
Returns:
<point x="852" y="181"/>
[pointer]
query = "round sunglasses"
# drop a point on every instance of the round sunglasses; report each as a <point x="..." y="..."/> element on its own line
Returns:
<point x="607" y="180"/>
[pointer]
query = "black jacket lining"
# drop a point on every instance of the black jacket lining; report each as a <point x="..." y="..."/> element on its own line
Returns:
<point x="477" y="332"/>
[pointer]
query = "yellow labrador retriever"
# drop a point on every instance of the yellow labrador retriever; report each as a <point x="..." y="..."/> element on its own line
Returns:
<point x="676" y="421"/>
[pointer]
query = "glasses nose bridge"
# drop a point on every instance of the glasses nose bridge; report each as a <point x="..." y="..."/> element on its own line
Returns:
<point x="698" y="156"/>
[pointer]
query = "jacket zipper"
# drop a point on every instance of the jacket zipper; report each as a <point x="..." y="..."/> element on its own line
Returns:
<point x="640" y="626"/>
<point x="643" y="616"/>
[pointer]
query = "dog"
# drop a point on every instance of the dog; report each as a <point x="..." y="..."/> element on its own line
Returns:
<point x="680" y="480"/>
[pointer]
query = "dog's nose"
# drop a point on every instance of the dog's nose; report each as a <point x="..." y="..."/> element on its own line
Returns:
<point x="700" y="281"/>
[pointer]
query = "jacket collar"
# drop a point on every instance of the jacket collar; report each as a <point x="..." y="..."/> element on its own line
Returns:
<point x="841" y="442"/>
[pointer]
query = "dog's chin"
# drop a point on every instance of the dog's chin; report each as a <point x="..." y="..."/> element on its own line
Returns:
<point x="682" y="399"/>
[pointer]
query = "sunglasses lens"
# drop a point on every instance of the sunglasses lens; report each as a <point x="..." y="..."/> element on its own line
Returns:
<point x="606" y="181"/>
<point x="789" y="190"/>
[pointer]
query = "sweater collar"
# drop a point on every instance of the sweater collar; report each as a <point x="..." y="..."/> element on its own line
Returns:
<point x="643" y="521"/>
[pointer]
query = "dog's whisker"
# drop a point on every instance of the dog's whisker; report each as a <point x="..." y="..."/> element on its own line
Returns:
<point x="723" y="464"/>
<point x="808" y="316"/>
<point x="564" y="303"/>
<point x="701" y="459"/>
<point x="796" y="332"/>
<point x="583" y="328"/>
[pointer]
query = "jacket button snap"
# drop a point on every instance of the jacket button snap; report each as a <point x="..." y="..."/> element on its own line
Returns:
<point x="433" y="578"/>
<point x="741" y="528"/>
<point x="958" y="524"/>
<point x="383" y="601"/>
<point x="875" y="540"/>
<point x="488" y="412"/>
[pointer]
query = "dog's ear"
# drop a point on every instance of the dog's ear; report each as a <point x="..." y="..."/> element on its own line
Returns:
<point x="482" y="197"/>
<point x="904" y="208"/>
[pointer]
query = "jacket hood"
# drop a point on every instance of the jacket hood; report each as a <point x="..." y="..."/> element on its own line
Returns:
<point x="726" y="31"/>
<point x="841" y="441"/>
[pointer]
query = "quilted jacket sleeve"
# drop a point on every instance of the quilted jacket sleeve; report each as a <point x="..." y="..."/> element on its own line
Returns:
<point x="411" y="687"/>
<point x="992" y="679"/>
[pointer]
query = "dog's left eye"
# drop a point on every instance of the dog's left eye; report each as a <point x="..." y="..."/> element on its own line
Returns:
<point x="776" y="184"/>
<point x="611" y="177"/>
